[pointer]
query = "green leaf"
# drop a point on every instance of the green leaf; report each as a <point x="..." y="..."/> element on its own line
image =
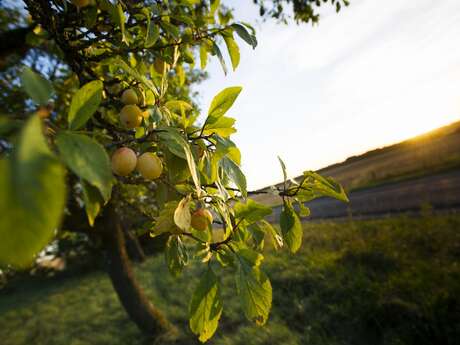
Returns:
<point x="223" y="126"/>
<point x="178" y="107"/>
<point x="90" y="17"/>
<point x="225" y="256"/>
<point x="8" y="125"/>
<point x="32" y="197"/>
<point x="245" y="35"/>
<point x="176" y="255"/>
<point x="283" y="168"/>
<point x="182" y="215"/>
<point x="153" y="33"/>
<point x="291" y="227"/>
<point x="84" y="104"/>
<point x="177" y="144"/>
<point x="277" y="239"/>
<point x="222" y="102"/>
<point x="173" y="30"/>
<point x="258" y="235"/>
<point x="219" y="56"/>
<point x="303" y="210"/>
<point x="120" y="18"/>
<point x="313" y="186"/>
<point x="251" y="257"/>
<point x="204" y="236"/>
<point x="36" y="86"/>
<point x="214" y="6"/>
<point x="206" y="306"/>
<point x="117" y="62"/>
<point x="93" y="201"/>
<point x="165" y="221"/>
<point x="87" y="159"/>
<point x="251" y="211"/>
<point x="203" y="56"/>
<point x="255" y="292"/>
<point x="226" y="147"/>
<point x="234" y="173"/>
<point x="184" y="19"/>
<point x="181" y="75"/>
<point x="233" y="50"/>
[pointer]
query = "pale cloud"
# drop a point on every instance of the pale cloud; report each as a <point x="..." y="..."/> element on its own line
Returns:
<point x="376" y="73"/>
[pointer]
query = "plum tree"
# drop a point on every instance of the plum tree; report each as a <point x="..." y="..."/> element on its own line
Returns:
<point x="201" y="219"/>
<point x="149" y="166"/>
<point x="124" y="161"/>
<point x="161" y="49"/>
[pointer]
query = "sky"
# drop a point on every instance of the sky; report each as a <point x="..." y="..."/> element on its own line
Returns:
<point x="376" y="73"/>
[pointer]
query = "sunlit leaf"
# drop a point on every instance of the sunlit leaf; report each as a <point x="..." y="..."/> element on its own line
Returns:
<point x="203" y="56"/>
<point x="234" y="173"/>
<point x="176" y="255"/>
<point x="165" y="221"/>
<point x="233" y="50"/>
<point x="87" y="159"/>
<point x="277" y="239"/>
<point x="32" y="197"/>
<point x="93" y="201"/>
<point x="223" y="126"/>
<point x="255" y="292"/>
<point x="84" y="104"/>
<point x="313" y="186"/>
<point x="251" y="211"/>
<point x="291" y="227"/>
<point x="206" y="306"/>
<point x="177" y="144"/>
<point x="222" y="102"/>
<point x="182" y="215"/>
<point x="283" y="168"/>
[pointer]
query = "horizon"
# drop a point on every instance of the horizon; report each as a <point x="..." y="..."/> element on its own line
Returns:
<point x="344" y="161"/>
<point x="345" y="83"/>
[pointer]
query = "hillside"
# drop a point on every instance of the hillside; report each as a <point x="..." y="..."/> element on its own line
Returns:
<point x="432" y="152"/>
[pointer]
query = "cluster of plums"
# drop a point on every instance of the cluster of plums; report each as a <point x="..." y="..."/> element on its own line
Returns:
<point x="125" y="160"/>
<point x="130" y="114"/>
<point x="148" y="164"/>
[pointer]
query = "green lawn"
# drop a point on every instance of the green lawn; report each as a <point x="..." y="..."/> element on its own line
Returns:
<point x="391" y="281"/>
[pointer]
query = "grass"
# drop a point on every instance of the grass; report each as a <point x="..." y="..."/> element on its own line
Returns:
<point x="389" y="281"/>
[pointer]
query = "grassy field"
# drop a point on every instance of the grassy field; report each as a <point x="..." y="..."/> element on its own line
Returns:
<point x="389" y="281"/>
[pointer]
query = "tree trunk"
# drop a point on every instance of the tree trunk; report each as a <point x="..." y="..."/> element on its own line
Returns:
<point x="141" y="311"/>
<point x="134" y="248"/>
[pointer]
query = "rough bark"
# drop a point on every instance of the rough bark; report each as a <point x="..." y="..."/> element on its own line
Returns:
<point x="141" y="311"/>
<point x="134" y="248"/>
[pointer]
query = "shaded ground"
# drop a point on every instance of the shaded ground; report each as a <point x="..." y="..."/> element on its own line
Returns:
<point x="388" y="281"/>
